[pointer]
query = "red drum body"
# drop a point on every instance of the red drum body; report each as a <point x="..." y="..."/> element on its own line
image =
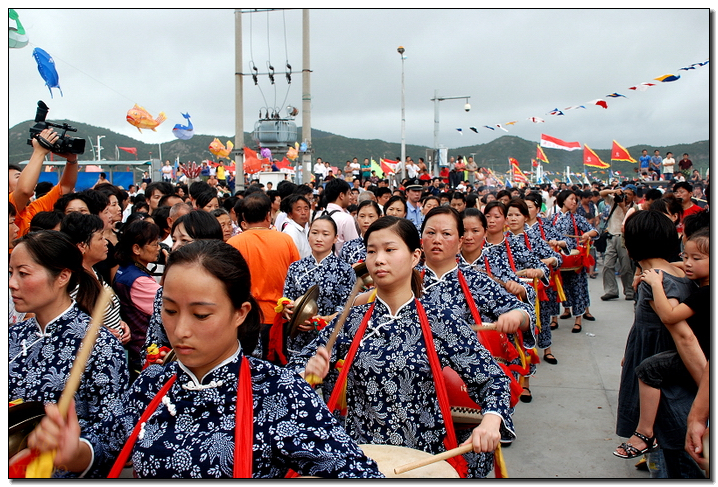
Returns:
<point x="572" y="262"/>
<point x="464" y="411"/>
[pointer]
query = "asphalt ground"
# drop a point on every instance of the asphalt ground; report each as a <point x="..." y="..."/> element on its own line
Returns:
<point x="568" y="429"/>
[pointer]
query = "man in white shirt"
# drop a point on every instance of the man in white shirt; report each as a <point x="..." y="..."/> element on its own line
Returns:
<point x="338" y="197"/>
<point x="320" y="171"/>
<point x="412" y="170"/>
<point x="669" y="163"/>
<point x="295" y="225"/>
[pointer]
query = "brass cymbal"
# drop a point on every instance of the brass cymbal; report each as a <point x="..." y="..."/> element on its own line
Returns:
<point x="22" y="419"/>
<point x="304" y="308"/>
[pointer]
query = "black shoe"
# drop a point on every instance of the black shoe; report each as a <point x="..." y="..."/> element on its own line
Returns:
<point x="548" y="357"/>
<point x="567" y="314"/>
<point x="607" y="297"/>
<point x="576" y="328"/>
<point x="629" y="298"/>
<point x="554" y="325"/>
<point x="589" y="317"/>
<point x="526" y="397"/>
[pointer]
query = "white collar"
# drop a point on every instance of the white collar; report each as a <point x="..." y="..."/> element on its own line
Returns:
<point x="398" y="311"/>
<point x="195" y="384"/>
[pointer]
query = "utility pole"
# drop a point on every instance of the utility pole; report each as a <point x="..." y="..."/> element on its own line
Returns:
<point x="306" y="101"/>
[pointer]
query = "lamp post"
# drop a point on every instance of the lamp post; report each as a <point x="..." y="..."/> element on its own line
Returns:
<point x="436" y="101"/>
<point x="401" y="50"/>
<point x="99" y="147"/>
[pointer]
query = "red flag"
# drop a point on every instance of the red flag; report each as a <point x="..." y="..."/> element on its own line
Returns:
<point x="618" y="153"/>
<point x="387" y="166"/>
<point x="516" y="175"/>
<point x="554" y="143"/>
<point x="590" y="158"/>
<point x="283" y="164"/>
<point x="252" y="164"/>
<point x="131" y="150"/>
<point x="540" y="155"/>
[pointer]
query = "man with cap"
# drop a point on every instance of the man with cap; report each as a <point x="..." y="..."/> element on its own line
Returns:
<point x="413" y="195"/>
<point x="619" y="200"/>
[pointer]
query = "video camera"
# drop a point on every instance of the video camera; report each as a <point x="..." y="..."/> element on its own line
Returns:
<point x="64" y="144"/>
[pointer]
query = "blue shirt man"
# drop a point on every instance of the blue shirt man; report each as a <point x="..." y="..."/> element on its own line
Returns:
<point x="413" y="210"/>
<point x="645" y="159"/>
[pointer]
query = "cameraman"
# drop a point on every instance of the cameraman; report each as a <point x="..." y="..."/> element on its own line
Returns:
<point x="23" y="190"/>
<point x="619" y="200"/>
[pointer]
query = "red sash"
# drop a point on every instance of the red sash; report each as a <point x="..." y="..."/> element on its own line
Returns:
<point x="458" y="462"/>
<point x="496" y="343"/>
<point x="243" y="428"/>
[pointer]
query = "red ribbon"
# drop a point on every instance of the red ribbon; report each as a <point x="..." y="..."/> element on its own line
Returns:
<point x="276" y="341"/>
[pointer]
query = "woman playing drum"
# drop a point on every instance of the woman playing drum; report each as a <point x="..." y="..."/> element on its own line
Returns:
<point x="395" y="348"/>
<point x="214" y="412"/>
<point x="575" y="284"/>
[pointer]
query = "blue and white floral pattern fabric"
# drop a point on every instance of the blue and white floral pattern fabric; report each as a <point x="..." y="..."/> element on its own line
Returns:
<point x="575" y="285"/>
<point x="390" y="391"/>
<point x="40" y="363"/>
<point x="353" y="251"/>
<point x="191" y="434"/>
<point x="335" y="279"/>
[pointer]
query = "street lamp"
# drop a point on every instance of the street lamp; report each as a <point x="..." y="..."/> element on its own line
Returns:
<point x="401" y="50"/>
<point x="436" y="101"/>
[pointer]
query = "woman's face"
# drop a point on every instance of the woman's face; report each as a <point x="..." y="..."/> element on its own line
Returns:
<point x="495" y="221"/>
<point x="32" y="288"/>
<point x="180" y="237"/>
<point x="515" y="220"/>
<point x="571" y="203"/>
<point x="428" y="205"/>
<point x="113" y="210"/>
<point x="533" y="209"/>
<point x="212" y="205"/>
<point x="226" y="223"/>
<point x="275" y="204"/>
<point x="300" y="213"/>
<point x="147" y="253"/>
<point x="366" y="216"/>
<point x="77" y="205"/>
<point x="396" y="209"/>
<point x="389" y="260"/>
<point x="474" y="233"/>
<point x="96" y="250"/>
<point x="201" y="322"/>
<point x="322" y="236"/>
<point x="440" y="240"/>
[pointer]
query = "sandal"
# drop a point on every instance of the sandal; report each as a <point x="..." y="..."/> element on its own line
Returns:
<point x="632" y="451"/>
<point x="554" y="324"/>
<point x="549" y="357"/>
<point x="589" y="317"/>
<point x="566" y="315"/>
<point x="527" y="397"/>
<point x="576" y="328"/>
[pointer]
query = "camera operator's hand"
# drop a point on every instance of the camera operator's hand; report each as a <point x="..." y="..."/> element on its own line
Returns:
<point x="50" y="137"/>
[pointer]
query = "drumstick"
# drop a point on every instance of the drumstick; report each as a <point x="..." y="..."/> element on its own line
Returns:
<point x="42" y="466"/>
<point x="313" y="379"/>
<point x="436" y="458"/>
<point x="485" y="327"/>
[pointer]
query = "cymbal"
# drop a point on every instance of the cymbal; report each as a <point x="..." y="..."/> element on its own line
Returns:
<point x="22" y="419"/>
<point x="304" y="308"/>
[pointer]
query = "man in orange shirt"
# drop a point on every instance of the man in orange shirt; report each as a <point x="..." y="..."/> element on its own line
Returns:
<point x="22" y="183"/>
<point x="268" y="254"/>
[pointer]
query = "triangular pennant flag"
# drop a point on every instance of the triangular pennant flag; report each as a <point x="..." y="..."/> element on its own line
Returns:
<point x="590" y="158"/>
<point x="618" y="153"/>
<point x="540" y="155"/>
<point x="667" y="78"/>
<point x="599" y="102"/>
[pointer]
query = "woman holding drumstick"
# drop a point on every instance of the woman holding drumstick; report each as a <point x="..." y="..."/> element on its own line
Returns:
<point x="395" y="348"/>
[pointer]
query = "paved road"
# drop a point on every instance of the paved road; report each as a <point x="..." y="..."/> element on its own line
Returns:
<point x="568" y="430"/>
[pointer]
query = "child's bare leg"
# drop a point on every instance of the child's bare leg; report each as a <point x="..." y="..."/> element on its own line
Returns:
<point x="650" y="398"/>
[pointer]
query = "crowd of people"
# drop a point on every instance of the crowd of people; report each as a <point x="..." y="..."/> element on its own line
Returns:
<point x="209" y="365"/>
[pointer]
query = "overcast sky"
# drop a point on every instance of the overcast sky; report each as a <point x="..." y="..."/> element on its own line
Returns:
<point x="513" y="63"/>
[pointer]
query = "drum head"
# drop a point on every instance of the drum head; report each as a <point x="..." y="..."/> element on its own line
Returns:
<point x="304" y="308"/>
<point x="389" y="457"/>
<point x="22" y="419"/>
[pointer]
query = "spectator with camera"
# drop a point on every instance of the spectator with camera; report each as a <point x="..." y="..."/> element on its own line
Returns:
<point x="22" y="181"/>
<point x="620" y="201"/>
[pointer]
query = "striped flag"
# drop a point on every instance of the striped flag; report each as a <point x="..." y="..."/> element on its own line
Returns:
<point x="540" y="155"/>
<point x="377" y="168"/>
<point x="554" y="143"/>
<point x="516" y="175"/>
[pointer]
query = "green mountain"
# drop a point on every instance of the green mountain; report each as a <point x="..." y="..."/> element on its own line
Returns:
<point x="337" y="149"/>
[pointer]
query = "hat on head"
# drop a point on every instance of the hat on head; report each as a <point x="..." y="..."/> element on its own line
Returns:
<point x="632" y="187"/>
<point x="413" y="184"/>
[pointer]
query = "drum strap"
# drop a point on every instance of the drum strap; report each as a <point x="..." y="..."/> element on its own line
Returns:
<point x="458" y="462"/>
<point x="243" y="428"/>
<point x="509" y="254"/>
